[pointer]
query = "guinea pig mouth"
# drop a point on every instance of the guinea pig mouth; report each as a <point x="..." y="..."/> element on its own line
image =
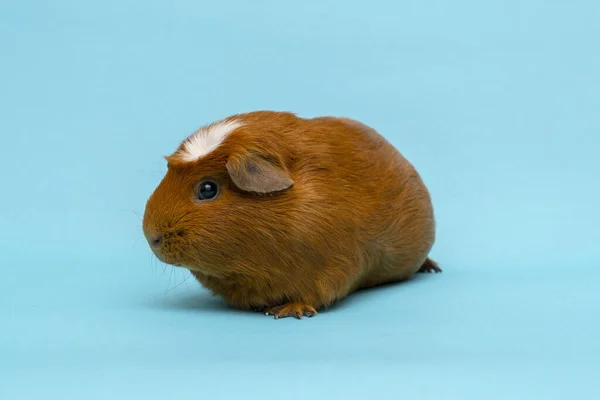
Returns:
<point x="165" y="260"/>
<point x="175" y="264"/>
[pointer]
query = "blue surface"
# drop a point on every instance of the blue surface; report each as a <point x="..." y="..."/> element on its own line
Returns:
<point x="496" y="103"/>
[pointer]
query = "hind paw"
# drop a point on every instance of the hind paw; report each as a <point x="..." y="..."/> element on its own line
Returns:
<point x="429" y="266"/>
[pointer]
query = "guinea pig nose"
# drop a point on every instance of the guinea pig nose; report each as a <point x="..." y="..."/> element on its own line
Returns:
<point x="156" y="240"/>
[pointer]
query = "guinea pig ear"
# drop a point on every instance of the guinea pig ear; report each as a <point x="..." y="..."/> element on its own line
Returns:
<point x="253" y="173"/>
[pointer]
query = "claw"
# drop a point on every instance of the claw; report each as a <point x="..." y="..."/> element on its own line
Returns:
<point x="294" y="309"/>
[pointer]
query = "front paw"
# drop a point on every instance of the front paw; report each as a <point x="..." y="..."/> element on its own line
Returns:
<point x="294" y="309"/>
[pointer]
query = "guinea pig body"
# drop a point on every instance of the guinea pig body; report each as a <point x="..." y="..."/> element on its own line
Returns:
<point x="288" y="215"/>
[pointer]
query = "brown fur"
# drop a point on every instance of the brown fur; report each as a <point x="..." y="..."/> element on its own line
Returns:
<point x="310" y="210"/>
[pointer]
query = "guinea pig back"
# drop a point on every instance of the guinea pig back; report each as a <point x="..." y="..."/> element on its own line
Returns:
<point x="287" y="215"/>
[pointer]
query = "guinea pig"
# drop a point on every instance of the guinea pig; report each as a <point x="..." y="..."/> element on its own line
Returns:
<point x="289" y="215"/>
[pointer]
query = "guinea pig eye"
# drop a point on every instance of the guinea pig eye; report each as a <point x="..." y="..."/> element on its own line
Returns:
<point x="207" y="190"/>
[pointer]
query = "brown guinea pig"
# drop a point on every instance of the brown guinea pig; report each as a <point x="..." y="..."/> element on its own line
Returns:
<point x="288" y="215"/>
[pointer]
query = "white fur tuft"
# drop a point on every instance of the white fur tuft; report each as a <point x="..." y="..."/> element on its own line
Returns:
<point x="207" y="139"/>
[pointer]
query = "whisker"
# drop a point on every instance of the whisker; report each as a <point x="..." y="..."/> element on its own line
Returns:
<point x="128" y="210"/>
<point x="154" y="261"/>
<point x="137" y="214"/>
<point x="137" y="241"/>
<point x="186" y="278"/>
<point x="179" y="284"/>
<point x="170" y="277"/>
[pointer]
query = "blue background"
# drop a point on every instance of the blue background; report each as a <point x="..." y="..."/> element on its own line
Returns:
<point x="496" y="103"/>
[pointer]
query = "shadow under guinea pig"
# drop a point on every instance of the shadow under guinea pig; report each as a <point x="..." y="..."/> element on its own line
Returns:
<point x="366" y="294"/>
<point x="200" y="300"/>
<point x="192" y="301"/>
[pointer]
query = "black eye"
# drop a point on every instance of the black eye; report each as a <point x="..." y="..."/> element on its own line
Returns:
<point x="207" y="190"/>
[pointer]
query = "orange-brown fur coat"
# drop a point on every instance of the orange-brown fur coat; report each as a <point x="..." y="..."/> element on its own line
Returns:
<point x="309" y="211"/>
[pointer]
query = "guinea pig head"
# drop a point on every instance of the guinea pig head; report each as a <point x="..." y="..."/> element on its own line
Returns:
<point x="211" y="206"/>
